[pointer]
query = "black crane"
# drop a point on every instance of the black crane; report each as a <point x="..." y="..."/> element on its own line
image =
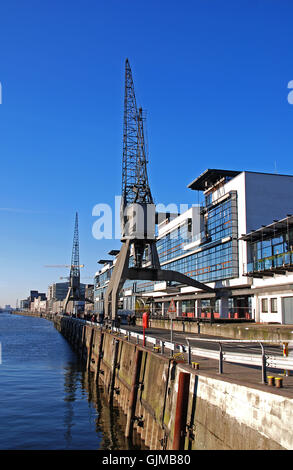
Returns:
<point x="74" y="291"/>
<point x="137" y="212"/>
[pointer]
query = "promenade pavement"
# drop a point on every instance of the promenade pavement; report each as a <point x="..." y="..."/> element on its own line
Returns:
<point x="249" y="376"/>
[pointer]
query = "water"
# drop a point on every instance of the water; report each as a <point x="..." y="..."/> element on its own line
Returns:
<point x="47" y="399"/>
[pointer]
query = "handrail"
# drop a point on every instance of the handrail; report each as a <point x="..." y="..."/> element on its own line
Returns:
<point x="263" y="360"/>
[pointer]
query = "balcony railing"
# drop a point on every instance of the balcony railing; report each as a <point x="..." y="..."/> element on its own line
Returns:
<point x="279" y="263"/>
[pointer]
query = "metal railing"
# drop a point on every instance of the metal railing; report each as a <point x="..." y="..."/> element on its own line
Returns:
<point x="262" y="360"/>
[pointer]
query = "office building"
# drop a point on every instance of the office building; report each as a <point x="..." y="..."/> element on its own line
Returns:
<point x="222" y="242"/>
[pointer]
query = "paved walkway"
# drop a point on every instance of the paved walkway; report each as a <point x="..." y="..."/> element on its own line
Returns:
<point x="234" y="373"/>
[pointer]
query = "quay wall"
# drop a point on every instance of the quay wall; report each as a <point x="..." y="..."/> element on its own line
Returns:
<point x="173" y="406"/>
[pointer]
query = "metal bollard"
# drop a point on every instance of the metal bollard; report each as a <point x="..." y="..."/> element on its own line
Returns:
<point x="279" y="382"/>
<point x="271" y="380"/>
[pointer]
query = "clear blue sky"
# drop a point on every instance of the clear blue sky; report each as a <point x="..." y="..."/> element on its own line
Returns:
<point x="211" y="74"/>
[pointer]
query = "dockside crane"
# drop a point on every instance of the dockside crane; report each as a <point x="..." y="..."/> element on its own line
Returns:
<point x="74" y="291"/>
<point x="137" y="212"/>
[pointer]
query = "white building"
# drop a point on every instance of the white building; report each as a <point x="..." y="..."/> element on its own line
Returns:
<point x="210" y="243"/>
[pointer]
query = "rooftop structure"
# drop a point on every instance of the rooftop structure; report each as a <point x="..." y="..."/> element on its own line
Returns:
<point x="210" y="177"/>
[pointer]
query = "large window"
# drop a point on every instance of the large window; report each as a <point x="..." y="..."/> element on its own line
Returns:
<point x="274" y="305"/>
<point x="208" y="265"/>
<point x="219" y="221"/>
<point x="264" y="305"/>
<point x="172" y="244"/>
<point x="272" y="252"/>
<point x="216" y="260"/>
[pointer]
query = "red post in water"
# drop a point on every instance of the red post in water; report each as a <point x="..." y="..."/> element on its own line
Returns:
<point x="181" y="411"/>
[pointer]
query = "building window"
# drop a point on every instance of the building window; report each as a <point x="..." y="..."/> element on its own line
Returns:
<point x="274" y="305"/>
<point x="264" y="305"/>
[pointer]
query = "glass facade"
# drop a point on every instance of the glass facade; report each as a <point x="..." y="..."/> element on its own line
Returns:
<point x="208" y="265"/>
<point x="271" y="252"/>
<point x="171" y="246"/>
<point x="219" y="221"/>
<point x="100" y="285"/>
<point x="214" y="259"/>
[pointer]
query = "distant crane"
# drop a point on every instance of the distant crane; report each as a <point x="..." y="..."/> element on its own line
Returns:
<point x="74" y="290"/>
<point x="137" y="212"/>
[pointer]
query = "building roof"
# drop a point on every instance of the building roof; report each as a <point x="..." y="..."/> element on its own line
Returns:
<point x="267" y="230"/>
<point x="210" y="177"/>
<point x="114" y="252"/>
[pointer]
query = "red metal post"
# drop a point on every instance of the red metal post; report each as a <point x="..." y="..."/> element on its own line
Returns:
<point x="181" y="411"/>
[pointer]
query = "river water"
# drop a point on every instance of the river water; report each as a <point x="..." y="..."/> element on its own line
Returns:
<point x="47" y="399"/>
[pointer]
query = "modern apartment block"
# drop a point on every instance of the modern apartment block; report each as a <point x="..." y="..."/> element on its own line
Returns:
<point x="238" y="239"/>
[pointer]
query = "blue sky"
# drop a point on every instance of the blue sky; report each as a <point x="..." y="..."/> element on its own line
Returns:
<point x="211" y="75"/>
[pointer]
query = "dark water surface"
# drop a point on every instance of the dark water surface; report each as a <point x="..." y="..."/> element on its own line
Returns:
<point x="47" y="400"/>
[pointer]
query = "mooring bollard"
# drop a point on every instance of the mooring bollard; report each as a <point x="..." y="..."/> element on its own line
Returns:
<point x="271" y="380"/>
<point x="279" y="382"/>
